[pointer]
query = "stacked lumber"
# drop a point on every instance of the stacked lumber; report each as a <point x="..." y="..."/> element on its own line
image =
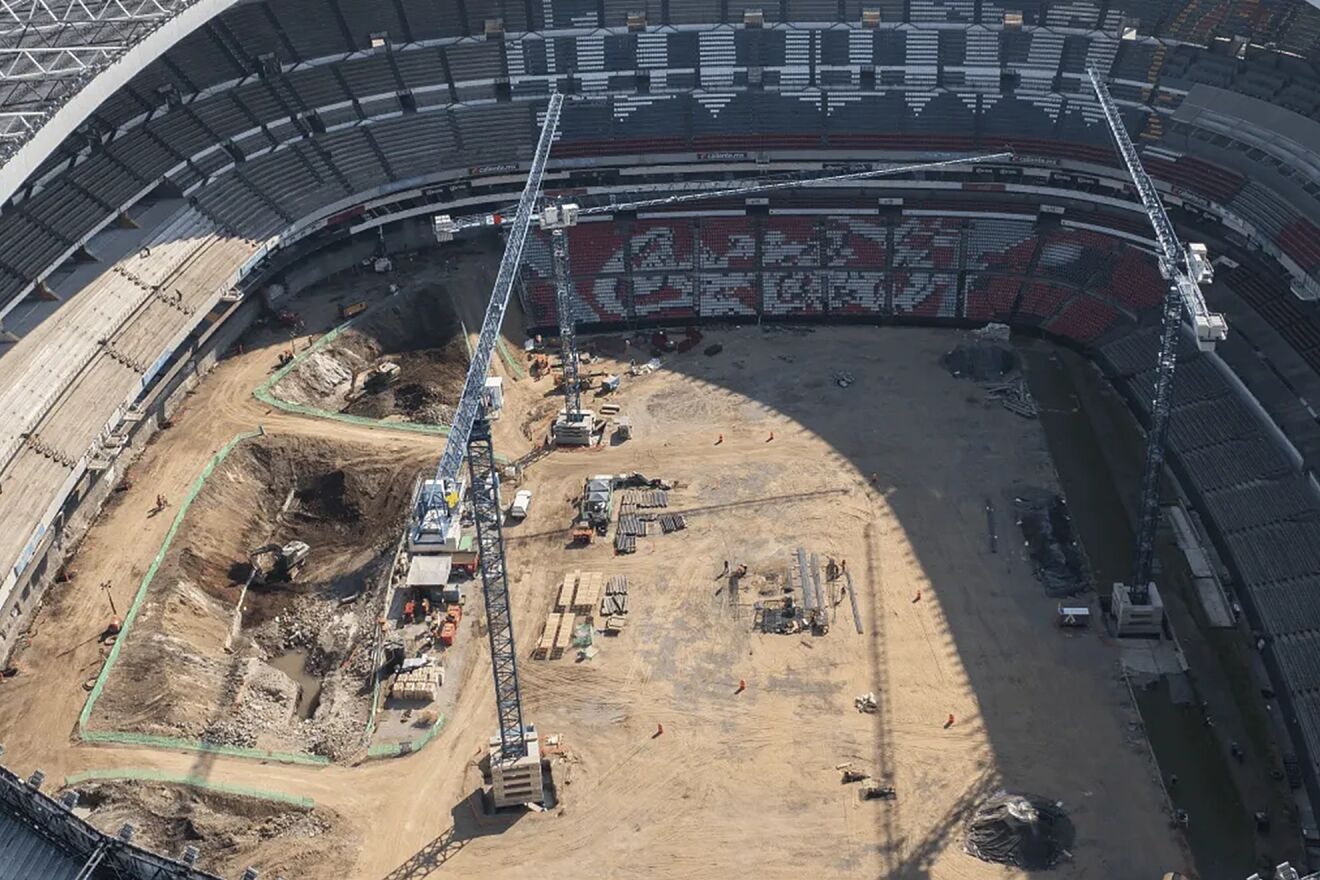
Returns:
<point x="588" y="592"/>
<point x="546" y="643"/>
<point x="565" y="636"/>
<point x="566" y="591"/>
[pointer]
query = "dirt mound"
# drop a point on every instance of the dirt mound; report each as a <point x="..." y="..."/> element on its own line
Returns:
<point x="198" y="665"/>
<point x="982" y="360"/>
<point x="229" y="831"/>
<point x="1025" y="831"/>
<point x="418" y="333"/>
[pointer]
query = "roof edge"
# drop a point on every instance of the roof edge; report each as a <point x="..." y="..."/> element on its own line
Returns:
<point x="25" y="162"/>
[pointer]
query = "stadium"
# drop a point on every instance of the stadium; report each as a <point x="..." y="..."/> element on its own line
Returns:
<point x="667" y="438"/>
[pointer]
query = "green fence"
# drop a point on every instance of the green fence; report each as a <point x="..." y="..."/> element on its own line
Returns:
<point x="143" y="774"/>
<point x="265" y="394"/>
<point x="396" y="750"/>
<point x="128" y="738"/>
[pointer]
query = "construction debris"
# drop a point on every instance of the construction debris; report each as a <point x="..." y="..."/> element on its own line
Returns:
<point x="878" y="793"/>
<point x="1014" y="397"/>
<point x="867" y="703"/>
<point x="1024" y="831"/>
<point x="842" y="378"/>
<point x="642" y="369"/>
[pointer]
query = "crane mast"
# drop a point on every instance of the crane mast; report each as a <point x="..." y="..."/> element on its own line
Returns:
<point x="567" y="332"/>
<point x="1184" y="269"/>
<point x="438" y="505"/>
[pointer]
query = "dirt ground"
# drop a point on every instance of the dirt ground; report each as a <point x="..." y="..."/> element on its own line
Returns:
<point x="230" y="832"/>
<point x="416" y="330"/>
<point x="194" y="665"/>
<point x="891" y="474"/>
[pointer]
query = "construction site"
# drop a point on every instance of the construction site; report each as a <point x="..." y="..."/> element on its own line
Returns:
<point x="741" y="515"/>
<point x="833" y="608"/>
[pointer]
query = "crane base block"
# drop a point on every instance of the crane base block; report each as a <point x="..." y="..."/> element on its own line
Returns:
<point x="1136" y="615"/>
<point x="518" y="781"/>
<point x="568" y="430"/>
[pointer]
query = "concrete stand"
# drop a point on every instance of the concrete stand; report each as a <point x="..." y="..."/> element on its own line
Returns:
<point x="517" y="782"/>
<point x="1137" y="619"/>
<point x="567" y="431"/>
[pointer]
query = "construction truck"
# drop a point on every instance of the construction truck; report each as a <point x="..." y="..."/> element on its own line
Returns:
<point x="277" y="562"/>
<point x="595" y="508"/>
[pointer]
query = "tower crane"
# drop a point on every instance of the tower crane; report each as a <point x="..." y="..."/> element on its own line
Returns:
<point x="1185" y="269"/>
<point x="438" y="509"/>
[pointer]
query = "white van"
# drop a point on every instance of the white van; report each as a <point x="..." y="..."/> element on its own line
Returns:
<point x="522" y="502"/>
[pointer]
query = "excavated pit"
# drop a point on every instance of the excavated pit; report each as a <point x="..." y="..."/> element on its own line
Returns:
<point x="283" y="665"/>
<point x="230" y="832"/>
<point x="418" y="332"/>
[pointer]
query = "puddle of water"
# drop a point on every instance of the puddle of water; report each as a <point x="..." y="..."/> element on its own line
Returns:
<point x="294" y="665"/>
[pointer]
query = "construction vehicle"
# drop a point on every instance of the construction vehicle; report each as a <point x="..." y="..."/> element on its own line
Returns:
<point x="522" y="502"/>
<point x="541" y="366"/>
<point x="595" y="507"/>
<point x="585" y="380"/>
<point x="384" y="373"/>
<point x="278" y="562"/>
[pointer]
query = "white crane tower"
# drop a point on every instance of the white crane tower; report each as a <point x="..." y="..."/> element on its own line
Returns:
<point x="1137" y="606"/>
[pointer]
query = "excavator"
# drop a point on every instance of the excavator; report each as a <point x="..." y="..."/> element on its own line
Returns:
<point x="278" y="562"/>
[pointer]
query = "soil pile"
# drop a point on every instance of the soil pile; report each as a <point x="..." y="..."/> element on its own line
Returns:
<point x="196" y="665"/>
<point x="981" y="360"/>
<point x="229" y="831"/>
<point x="1025" y="831"/>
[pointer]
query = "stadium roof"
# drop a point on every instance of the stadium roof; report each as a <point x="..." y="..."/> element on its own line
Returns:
<point x="59" y="59"/>
<point x="25" y="853"/>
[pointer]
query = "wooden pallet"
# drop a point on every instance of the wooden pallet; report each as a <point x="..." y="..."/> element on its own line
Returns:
<point x="587" y="598"/>
<point x="565" y="637"/>
<point x="566" y="591"/>
<point x="546" y="645"/>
